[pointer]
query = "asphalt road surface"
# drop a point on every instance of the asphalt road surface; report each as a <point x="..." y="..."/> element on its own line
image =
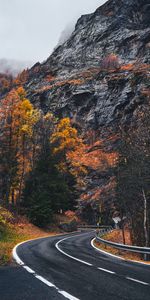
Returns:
<point x="68" y="267"/>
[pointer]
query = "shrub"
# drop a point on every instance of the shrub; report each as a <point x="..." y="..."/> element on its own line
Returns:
<point x="110" y="62"/>
<point x="6" y="218"/>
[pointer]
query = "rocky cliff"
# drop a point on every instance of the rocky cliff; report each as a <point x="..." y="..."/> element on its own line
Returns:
<point x="100" y="75"/>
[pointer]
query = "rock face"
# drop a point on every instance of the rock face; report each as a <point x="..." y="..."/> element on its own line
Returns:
<point x="119" y="26"/>
<point x="74" y="80"/>
<point x="99" y="77"/>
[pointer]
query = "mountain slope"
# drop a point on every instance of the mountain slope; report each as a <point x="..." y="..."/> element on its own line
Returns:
<point x="100" y="77"/>
<point x="119" y="26"/>
<point x="100" y="74"/>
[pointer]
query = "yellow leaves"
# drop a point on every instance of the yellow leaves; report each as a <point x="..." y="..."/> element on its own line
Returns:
<point x="65" y="137"/>
<point x="26" y="105"/>
<point x="20" y="112"/>
<point x="26" y="130"/>
<point x="62" y="167"/>
<point x="21" y="92"/>
<point x="25" y="115"/>
<point x="69" y="146"/>
<point x="63" y="123"/>
<point x="48" y="116"/>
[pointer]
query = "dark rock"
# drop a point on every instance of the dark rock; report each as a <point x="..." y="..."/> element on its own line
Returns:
<point x="79" y="81"/>
<point x="80" y="88"/>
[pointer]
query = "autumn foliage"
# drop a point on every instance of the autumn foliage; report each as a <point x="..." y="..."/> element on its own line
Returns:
<point x="18" y="118"/>
<point x="34" y="151"/>
<point x="110" y="62"/>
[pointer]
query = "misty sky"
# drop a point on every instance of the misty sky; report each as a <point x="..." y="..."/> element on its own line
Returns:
<point x="30" y="29"/>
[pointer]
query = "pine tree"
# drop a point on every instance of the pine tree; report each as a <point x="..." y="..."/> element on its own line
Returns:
<point x="45" y="192"/>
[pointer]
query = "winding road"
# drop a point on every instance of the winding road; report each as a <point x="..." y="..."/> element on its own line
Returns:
<point x="68" y="267"/>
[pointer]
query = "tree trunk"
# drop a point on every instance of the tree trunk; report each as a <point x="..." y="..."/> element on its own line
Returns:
<point x="22" y="174"/>
<point x="145" y="223"/>
<point x="145" y="220"/>
<point x="123" y="235"/>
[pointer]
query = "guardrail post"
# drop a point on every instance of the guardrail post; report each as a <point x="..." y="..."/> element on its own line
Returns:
<point x="146" y="257"/>
<point x="144" y="251"/>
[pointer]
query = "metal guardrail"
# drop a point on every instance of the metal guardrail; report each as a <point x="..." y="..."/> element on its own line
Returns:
<point x="94" y="226"/>
<point x="136" y="249"/>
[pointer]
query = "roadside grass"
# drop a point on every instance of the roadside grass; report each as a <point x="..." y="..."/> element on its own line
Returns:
<point x="116" y="236"/>
<point x="14" y="234"/>
<point x="14" y="231"/>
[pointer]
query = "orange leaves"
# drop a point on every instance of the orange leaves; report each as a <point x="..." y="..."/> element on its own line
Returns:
<point x="75" y="81"/>
<point x="21" y="78"/>
<point x="79" y="79"/>
<point x="94" y="195"/>
<point x="96" y="159"/>
<point x="82" y="160"/>
<point x="135" y="67"/>
<point x="128" y="67"/>
<point x="70" y="214"/>
<point x="59" y="84"/>
<point x="85" y="158"/>
<point x="21" y="92"/>
<point x="76" y="160"/>
<point x="99" y="193"/>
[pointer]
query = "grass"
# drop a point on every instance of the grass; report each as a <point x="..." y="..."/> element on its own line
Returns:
<point x="16" y="231"/>
<point x="14" y="234"/>
<point x="116" y="236"/>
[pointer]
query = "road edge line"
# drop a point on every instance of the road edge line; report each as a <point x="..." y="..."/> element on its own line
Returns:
<point x="32" y="272"/>
<point x="68" y="255"/>
<point x="104" y="252"/>
<point x="116" y="256"/>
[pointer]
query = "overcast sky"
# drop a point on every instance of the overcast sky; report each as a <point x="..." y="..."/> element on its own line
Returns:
<point x="30" y="29"/>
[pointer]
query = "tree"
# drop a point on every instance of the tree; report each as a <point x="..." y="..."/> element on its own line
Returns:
<point x="46" y="192"/>
<point x="66" y="143"/>
<point x="65" y="138"/>
<point x="133" y="177"/>
<point x="17" y="117"/>
<point x="8" y="144"/>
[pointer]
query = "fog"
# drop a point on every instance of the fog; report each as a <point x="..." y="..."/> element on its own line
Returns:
<point x="31" y="29"/>
<point x="13" y="67"/>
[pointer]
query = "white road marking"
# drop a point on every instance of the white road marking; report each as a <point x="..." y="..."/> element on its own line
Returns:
<point x="28" y="269"/>
<point x="70" y="256"/>
<point x="16" y="257"/>
<point x="68" y="296"/>
<point x="105" y="270"/>
<point x="116" y="256"/>
<point x="51" y="285"/>
<point x="63" y="293"/>
<point x="104" y="252"/>
<point x="42" y="279"/>
<point x="46" y="281"/>
<point x="138" y="281"/>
